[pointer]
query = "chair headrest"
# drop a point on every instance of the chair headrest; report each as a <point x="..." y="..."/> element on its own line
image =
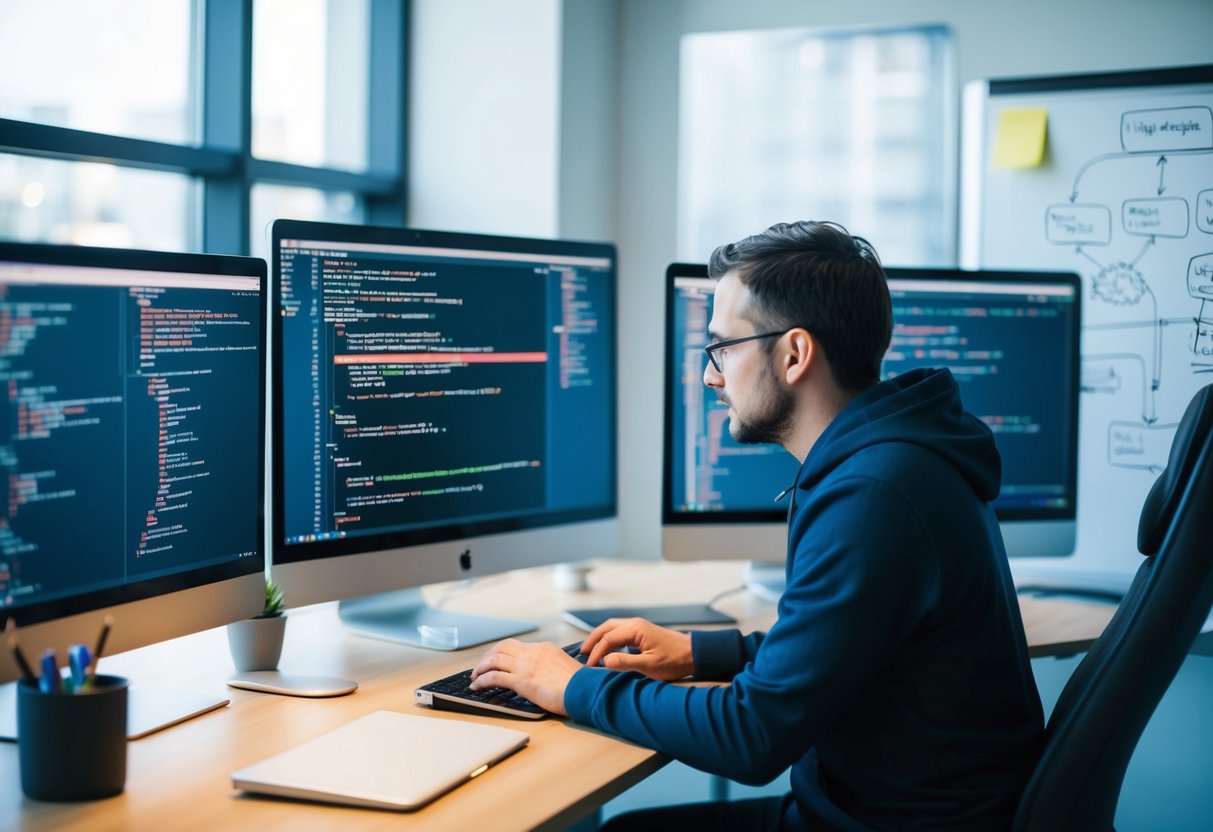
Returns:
<point x="1164" y="497"/>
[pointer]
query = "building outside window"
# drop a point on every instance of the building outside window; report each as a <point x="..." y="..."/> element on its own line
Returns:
<point x="856" y="126"/>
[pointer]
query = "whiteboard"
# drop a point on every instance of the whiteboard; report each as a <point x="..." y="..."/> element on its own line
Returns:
<point x="1124" y="197"/>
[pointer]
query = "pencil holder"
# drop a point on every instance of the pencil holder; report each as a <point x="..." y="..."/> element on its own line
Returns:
<point x="72" y="746"/>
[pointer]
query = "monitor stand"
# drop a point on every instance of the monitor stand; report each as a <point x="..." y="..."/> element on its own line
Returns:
<point x="766" y="580"/>
<point x="404" y="616"/>
<point x="148" y="710"/>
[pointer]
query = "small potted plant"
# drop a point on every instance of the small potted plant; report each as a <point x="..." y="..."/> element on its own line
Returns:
<point x="256" y="643"/>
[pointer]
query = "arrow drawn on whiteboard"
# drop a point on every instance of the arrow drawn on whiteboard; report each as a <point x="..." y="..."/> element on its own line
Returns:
<point x="1080" y="250"/>
<point x="1202" y="329"/>
<point x="1099" y="379"/>
<point x="1157" y="374"/>
<point x="1149" y="411"/>
<point x="1162" y="171"/>
<point x="1078" y="176"/>
<point x="1144" y="248"/>
<point x="1104" y="157"/>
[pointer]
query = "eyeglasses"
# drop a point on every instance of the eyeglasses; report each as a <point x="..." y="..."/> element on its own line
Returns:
<point x="718" y="360"/>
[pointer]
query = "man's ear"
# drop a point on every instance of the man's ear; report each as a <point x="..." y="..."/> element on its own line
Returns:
<point x="801" y="354"/>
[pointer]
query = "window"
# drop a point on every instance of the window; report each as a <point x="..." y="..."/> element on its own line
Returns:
<point x="853" y="126"/>
<point x="188" y="125"/>
<point x="271" y="202"/>
<point x="309" y="96"/>
<point x="85" y="64"/>
<point x="84" y="203"/>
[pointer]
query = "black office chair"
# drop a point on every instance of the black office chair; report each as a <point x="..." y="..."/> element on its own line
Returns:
<point x="1110" y="697"/>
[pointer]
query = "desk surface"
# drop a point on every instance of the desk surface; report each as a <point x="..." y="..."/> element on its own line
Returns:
<point x="178" y="778"/>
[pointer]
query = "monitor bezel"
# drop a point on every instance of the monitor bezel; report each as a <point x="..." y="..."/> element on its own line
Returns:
<point x="391" y="543"/>
<point x="1067" y="514"/>
<point x="147" y="589"/>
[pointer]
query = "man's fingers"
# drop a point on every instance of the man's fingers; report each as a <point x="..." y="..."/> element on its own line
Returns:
<point x="490" y="679"/>
<point x="598" y="632"/>
<point x="611" y="641"/>
<point x="625" y="661"/>
<point x="495" y="659"/>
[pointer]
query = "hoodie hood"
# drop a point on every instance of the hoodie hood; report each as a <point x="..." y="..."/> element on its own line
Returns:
<point x="920" y="407"/>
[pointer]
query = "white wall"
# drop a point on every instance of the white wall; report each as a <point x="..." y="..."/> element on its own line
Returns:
<point x="513" y="116"/>
<point x="1033" y="37"/>
<point x="588" y="120"/>
<point x="484" y="111"/>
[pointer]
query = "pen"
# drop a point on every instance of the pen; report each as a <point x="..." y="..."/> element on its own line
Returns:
<point x="78" y="661"/>
<point x="101" y="637"/>
<point x="49" y="683"/>
<point x="10" y="629"/>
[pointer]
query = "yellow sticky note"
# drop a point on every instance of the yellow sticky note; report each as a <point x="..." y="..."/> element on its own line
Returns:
<point x="1020" y="142"/>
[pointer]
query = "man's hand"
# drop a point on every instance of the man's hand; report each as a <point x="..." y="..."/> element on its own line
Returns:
<point x="540" y="672"/>
<point x="661" y="653"/>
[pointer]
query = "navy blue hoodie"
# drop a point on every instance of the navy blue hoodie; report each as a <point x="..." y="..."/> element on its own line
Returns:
<point x="896" y="681"/>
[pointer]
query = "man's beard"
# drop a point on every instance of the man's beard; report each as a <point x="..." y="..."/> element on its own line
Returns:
<point x="770" y="420"/>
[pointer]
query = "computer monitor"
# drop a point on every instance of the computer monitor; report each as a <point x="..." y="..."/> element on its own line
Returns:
<point x="1011" y="340"/>
<point x="721" y="500"/>
<point x="443" y="408"/>
<point x="131" y="437"/>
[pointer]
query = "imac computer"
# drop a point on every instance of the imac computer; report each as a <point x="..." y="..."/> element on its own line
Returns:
<point x="131" y="437"/>
<point x="1011" y="339"/>
<point x="443" y="408"/>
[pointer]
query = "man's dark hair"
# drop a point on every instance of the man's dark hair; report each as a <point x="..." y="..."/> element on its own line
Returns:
<point x="817" y="276"/>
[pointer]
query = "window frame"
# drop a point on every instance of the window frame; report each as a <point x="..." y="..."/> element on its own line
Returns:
<point x="223" y="163"/>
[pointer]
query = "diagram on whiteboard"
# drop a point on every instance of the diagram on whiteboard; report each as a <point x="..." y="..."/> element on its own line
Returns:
<point x="1163" y="138"/>
<point x="1122" y="194"/>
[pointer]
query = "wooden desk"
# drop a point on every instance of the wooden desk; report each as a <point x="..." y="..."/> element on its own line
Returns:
<point x="1062" y="626"/>
<point x="178" y="778"/>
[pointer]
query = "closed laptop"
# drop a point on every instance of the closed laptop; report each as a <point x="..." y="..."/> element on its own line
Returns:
<point x="384" y="760"/>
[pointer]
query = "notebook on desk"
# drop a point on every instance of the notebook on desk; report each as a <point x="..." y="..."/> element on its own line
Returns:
<point x="384" y="760"/>
<point x="664" y="615"/>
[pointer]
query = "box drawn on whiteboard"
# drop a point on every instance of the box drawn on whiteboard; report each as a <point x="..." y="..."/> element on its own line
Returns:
<point x="1166" y="130"/>
<point x="1134" y="445"/>
<point x="1086" y="224"/>
<point x="1155" y="216"/>
<point x="1204" y="211"/>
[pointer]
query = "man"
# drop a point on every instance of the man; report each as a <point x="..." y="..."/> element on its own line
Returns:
<point x="896" y="681"/>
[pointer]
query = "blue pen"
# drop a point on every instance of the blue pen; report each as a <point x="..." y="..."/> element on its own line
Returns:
<point x="49" y="683"/>
<point x="78" y="659"/>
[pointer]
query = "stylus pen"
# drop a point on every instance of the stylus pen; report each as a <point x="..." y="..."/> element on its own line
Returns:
<point x="27" y="673"/>
<point x="101" y="637"/>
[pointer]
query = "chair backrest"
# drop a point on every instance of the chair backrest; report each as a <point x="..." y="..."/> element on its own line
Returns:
<point x="1113" y="692"/>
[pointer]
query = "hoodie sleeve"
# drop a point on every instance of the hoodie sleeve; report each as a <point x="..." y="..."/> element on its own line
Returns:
<point x="719" y="655"/>
<point x="863" y="577"/>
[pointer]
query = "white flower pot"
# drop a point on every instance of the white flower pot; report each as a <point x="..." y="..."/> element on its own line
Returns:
<point x="256" y="643"/>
